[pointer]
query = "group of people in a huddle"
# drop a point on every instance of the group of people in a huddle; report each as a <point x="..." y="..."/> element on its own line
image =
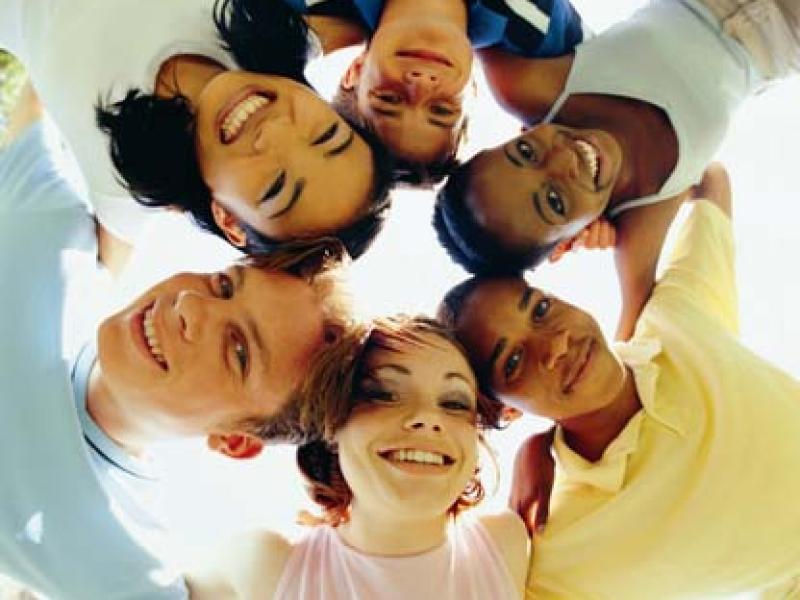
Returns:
<point x="673" y="464"/>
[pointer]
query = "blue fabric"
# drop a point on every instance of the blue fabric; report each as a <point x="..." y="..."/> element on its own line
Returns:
<point x="58" y="532"/>
<point x="531" y="28"/>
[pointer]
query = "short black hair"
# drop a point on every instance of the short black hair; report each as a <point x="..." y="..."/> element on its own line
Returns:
<point x="468" y="243"/>
<point x="152" y="139"/>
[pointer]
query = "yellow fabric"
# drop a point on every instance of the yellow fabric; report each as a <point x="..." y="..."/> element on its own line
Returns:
<point x="700" y="494"/>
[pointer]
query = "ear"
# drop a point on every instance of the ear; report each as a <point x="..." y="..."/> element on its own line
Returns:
<point x="235" y="445"/>
<point x="560" y="250"/>
<point x="509" y="414"/>
<point x="229" y="224"/>
<point x="353" y="73"/>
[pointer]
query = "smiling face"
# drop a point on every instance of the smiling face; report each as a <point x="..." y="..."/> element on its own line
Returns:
<point x="409" y="87"/>
<point x="279" y="157"/>
<point x="198" y="353"/>
<point x="537" y="352"/>
<point x="409" y="446"/>
<point x="543" y="186"/>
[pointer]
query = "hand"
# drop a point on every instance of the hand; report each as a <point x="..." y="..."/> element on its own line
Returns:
<point x="534" y="470"/>
<point x="599" y="234"/>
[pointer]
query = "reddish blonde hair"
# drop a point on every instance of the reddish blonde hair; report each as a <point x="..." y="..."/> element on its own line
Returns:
<point x="333" y="386"/>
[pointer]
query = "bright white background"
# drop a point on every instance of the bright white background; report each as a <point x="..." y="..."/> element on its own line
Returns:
<point x="407" y="271"/>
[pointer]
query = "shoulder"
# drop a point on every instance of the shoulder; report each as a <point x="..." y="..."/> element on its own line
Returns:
<point x="509" y="534"/>
<point x="249" y="565"/>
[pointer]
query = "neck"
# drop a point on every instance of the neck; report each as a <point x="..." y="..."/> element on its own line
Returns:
<point x="383" y="534"/>
<point x="589" y="435"/>
<point x="187" y="75"/>
<point x="648" y="140"/>
<point x="109" y="415"/>
<point x="447" y="12"/>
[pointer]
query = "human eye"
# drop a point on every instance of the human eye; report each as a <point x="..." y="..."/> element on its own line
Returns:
<point x="541" y="308"/>
<point x="388" y="97"/>
<point x="526" y="151"/>
<point x="222" y="285"/>
<point x="457" y="402"/>
<point x="513" y="364"/>
<point x="442" y="110"/>
<point x="276" y="187"/>
<point x="240" y="353"/>
<point x="555" y="201"/>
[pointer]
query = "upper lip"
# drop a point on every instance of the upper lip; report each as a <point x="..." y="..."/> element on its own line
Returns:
<point x="233" y="102"/>
<point x="425" y="55"/>
<point x="576" y="367"/>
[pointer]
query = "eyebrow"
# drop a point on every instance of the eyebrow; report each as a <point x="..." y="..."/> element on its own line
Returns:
<point x="298" y="189"/>
<point x="456" y="375"/>
<point x="239" y="272"/>
<point x="341" y="147"/>
<point x="496" y="352"/>
<point x="514" y="160"/>
<point x="525" y="299"/>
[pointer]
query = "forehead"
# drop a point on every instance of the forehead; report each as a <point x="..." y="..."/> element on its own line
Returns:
<point x="426" y="356"/>
<point x="493" y="310"/>
<point x="411" y="137"/>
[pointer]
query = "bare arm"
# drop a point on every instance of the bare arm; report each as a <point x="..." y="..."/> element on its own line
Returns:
<point x="525" y="87"/>
<point x="640" y="237"/>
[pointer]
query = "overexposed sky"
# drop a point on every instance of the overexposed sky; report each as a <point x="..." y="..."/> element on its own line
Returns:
<point x="407" y="271"/>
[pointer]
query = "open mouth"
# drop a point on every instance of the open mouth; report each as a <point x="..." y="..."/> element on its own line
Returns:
<point x="425" y="55"/>
<point x="148" y="331"/>
<point x="413" y="456"/>
<point x="591" y="159"/>
<point x="237" y="113"/>
<point x="579" y="367"/>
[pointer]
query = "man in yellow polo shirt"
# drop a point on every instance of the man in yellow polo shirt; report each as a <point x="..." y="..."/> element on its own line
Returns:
<point x="678" y="452"/>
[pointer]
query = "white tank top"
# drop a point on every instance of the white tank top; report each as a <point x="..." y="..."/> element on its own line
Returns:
<point x="468" y="566"/>
<point x="672" y="54"/>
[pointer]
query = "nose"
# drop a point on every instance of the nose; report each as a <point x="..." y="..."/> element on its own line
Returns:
<point x="563" y="161"/>
<point x="419" y="81"/>
<point x="423" y="420"/>
<point x="192" y="310"/>
<point x="554" y="349"/>
<point x="273" y="132"/>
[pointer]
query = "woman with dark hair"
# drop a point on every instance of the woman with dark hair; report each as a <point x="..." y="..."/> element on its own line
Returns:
<point x="622" y="128"/>
<point x="395" y="468"/>
<point x="255" y="156"/>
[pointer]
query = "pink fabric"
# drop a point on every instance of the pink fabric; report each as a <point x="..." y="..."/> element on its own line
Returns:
<point x="468" y="566"/>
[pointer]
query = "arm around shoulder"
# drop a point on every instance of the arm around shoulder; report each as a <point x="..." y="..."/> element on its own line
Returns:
<point x="511" y="537"/>
<point x="248" y="566"/>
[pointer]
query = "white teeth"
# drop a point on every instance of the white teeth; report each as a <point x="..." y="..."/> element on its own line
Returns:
<point x="238" y="116"/>
<point x="589" y="155"/>
<point x="150" y="336"/>
<point x="417" y="456"/>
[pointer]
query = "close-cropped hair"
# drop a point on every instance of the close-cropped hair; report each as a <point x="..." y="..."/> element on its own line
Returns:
<point x="468" y="243"/>
<point x="411" y="173"/>
<point x="449" y="312"/>
<point x="335" y="382"/>
<point x="152" y="139"/>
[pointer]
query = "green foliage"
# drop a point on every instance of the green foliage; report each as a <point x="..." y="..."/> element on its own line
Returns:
<point x="12" y="76"/>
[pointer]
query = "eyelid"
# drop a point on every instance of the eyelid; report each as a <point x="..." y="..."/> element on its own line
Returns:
<point x="275" y="188"/>
<point x="235" y="336"/>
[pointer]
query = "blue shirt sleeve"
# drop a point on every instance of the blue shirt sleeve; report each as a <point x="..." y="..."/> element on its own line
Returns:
<point x="58" y="530"/>
<point x="530" y="28"/>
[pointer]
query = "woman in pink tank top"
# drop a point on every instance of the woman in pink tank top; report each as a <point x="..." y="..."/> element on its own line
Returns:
<point x="396" y="466"/>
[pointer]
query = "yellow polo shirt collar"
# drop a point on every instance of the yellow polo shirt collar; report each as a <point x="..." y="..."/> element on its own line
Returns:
<point x="608" y="473"/>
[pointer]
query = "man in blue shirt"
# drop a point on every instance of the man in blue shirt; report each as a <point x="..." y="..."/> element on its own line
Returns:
<point x="216" y="356"/>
